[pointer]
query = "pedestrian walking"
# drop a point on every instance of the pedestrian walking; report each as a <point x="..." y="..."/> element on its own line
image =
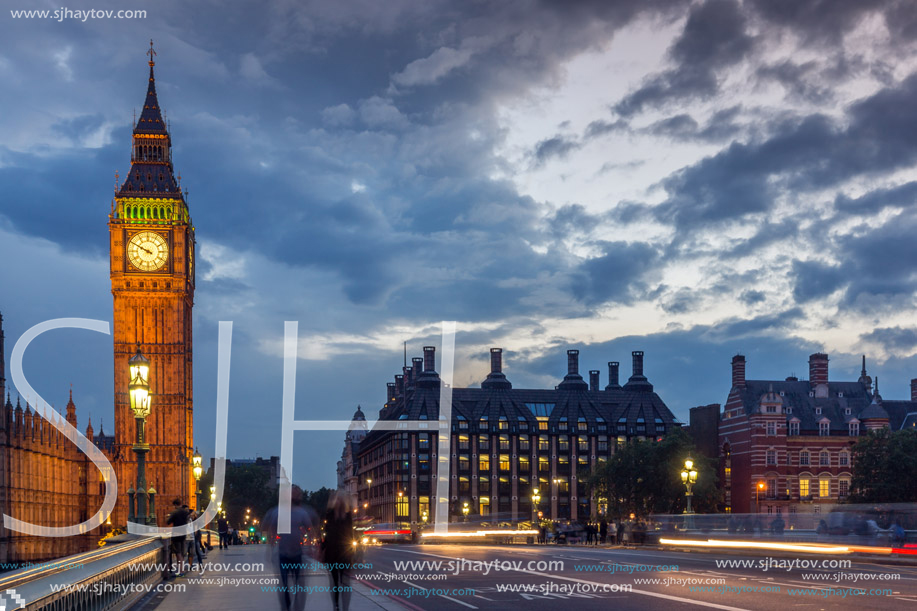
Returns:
<point x="178" y="517"/>
<point x="286" y="551"/>
<point x="223" y="530"/>
<point x="337" y="549"/>
<point x="603" y="530"/>
<point x="193" y="544"/>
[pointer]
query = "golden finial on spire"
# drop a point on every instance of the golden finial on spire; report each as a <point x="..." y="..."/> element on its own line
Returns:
<point x="151" y="53"/>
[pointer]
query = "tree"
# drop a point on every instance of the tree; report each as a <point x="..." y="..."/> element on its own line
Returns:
<point x="643" y="477"/>
<point x="885" y="467"/>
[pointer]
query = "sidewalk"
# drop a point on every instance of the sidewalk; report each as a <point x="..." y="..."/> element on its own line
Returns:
<point x="229" y="596"/>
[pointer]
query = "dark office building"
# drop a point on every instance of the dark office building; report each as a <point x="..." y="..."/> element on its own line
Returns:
<point x="505" y="442"/>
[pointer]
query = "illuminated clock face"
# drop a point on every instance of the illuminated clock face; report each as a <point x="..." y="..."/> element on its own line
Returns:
<point x="148" y="251"/>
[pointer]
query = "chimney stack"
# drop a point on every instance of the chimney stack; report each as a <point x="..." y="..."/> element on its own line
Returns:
<point x="572" y="362"/>
<point x="399" y="385"/>
<point x="818" y="369"/>
<point x="496" y="360"/>
<point x="614" y="376"/>
<point x="594" y="379"/>
<point x="390" y="392"/>
<point x="429" y="359"/>
<point x="638" y="363"/>
<point x="408" y="377"/>
<point x="417" y="365"/>
<point x="573" y="380"/>
<point x="738" y="371"/>
<point x="914" y="389"/>
<point x="496" y="377"/>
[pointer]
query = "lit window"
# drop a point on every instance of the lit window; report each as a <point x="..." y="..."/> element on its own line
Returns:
<point x="582" y="444"/>
<point x="803" y="488"/>
<point x="402" y="506"/>
<point x="544" y="464"/>
<point x="502" y="424"/>
<point x="485" y="506"/>
<point x="504" y="442"/>
<point x="824" y="487"/>
<point x="463" y="442"/>
<point x="484" y="463"/>
<point x="544" y="444"/>
<point x="581" y="424"/>
<point x="504" y="462"/>
<point x="524" y="464"/>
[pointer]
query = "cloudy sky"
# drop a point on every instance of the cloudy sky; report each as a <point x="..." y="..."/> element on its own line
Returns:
<point x="691" y="179"/>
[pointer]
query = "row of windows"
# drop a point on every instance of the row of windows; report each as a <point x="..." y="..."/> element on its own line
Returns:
<point x="811" y="487"/>
<point x="824" y="428"/>
<point x="543" y="441"/>
<point x="542" y="424"/>
<point x="805" y="458"/>
<point x="159" y="213"/>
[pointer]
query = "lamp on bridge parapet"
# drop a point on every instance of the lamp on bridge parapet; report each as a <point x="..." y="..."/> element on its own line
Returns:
<point x="140" y="400"/>
<point x="689" y="478"/>
<point x="197" y="469"/>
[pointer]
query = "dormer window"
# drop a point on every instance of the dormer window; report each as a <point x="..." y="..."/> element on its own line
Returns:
<point x="854" y="429"/>
<point x="793" y="429"/>
<point x="824" y="428"/>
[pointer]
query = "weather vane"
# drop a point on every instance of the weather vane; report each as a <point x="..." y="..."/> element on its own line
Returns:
<point x="151" y="53"/>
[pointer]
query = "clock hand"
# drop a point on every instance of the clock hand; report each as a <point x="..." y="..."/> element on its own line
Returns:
<point x="149" y="252"/>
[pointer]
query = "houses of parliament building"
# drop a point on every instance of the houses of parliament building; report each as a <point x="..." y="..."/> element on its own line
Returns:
<point x="44" y="479"/>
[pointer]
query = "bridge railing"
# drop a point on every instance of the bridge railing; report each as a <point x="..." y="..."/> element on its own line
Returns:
<point x="113" y="577"/>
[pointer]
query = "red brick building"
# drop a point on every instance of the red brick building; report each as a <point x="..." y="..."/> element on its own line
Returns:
<point x="785" y="445"/>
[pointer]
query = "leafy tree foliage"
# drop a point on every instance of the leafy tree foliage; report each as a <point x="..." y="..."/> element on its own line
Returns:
<point x="885" y="467"/>
<point x="643" y="477"/>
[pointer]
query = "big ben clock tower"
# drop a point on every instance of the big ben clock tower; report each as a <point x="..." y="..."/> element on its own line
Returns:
<point x="152" y="285"/>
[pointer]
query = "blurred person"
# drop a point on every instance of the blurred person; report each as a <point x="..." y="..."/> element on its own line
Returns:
<point x="603" y="530"/>
<point x="337" y="548"/>
<point x="178" y="517"/>
<point x="223" y="530"/>
<point x="286" y="550"/>
<point x="193" y="544"/>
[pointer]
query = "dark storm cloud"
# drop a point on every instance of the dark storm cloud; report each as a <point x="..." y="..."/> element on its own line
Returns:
<point x="822" y="21"/>
<point x="714" y="37"/>
<point x="558" y="146"/>
<point x="813" y="280"/>
<point x="878" y="200"/>
<point x="813" y="153"/>
<point x="612" y="275"/>
<point x="893" y="339"/>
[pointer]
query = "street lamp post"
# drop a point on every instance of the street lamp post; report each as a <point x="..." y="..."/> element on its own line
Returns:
<point x="425" y="516"/>
<point x="758" y="489"/>
<point x="465" y="510"/>
<point x="536" y="498"/>
<point x="139" y="391"/>
<point x="689" y="478"/>
<point x="197" y="470"/>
